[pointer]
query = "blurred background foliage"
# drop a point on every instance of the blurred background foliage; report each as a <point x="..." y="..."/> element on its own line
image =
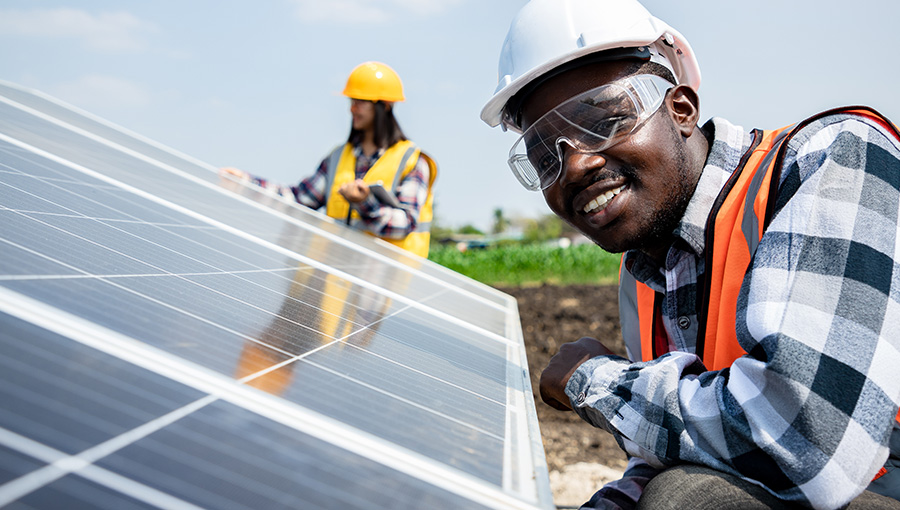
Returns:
<point x="523" y="252"/>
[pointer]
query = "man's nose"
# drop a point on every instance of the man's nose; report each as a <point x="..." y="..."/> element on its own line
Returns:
<point x="574" y="163"/>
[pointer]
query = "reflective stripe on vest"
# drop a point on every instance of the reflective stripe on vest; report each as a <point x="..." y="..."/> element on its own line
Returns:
<point x="389" y="169"/>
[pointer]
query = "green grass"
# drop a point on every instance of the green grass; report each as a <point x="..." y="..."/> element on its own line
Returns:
<point x="521" y="265"/>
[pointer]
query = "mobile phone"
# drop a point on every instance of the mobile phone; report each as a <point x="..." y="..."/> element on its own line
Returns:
<point x="384" y="196"/>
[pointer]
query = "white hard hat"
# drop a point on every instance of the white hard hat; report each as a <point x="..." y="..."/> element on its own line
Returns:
<point x="548" y="33"/>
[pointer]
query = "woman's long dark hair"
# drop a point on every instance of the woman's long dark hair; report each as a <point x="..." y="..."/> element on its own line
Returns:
<point x="387" y="130"/>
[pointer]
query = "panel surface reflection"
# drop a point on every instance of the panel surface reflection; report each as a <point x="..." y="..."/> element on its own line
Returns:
<point x="225" y="457"/>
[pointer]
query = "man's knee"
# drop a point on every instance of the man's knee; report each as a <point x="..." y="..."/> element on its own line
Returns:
<point x="701" y="488"/>
<point x="871" y="501"/>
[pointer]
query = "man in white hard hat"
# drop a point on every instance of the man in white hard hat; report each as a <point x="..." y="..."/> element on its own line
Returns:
<point x="760" y="281"/>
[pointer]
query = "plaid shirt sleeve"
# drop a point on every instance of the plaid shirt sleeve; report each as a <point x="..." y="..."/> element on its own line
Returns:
<point x="393" y="222"/>
<point x="309" y="192"/>
<point x="809" y="411"/>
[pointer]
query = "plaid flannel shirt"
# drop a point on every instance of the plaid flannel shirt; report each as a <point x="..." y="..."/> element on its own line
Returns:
<point x="377" y="218"/>
<point x="809" y="412"/>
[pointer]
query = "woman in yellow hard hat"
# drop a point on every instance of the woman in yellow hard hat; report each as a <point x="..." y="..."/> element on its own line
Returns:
<point x="377" y="181"/>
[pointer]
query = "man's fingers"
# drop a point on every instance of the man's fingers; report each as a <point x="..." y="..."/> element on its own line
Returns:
<point x="552" y="401"/>
<point x="561" y="367"/>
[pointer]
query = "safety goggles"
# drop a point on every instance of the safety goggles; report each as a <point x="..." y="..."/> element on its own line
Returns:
<point x="589" y="122"/>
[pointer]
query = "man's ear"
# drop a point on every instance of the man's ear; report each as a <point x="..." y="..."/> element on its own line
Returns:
<point x="684" y="107"/>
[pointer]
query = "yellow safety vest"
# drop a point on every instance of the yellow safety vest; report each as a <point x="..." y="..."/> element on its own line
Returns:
<point x="391" y="167"/>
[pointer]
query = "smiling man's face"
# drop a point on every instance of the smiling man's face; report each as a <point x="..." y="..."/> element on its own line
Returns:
<point x="631" y="195"/>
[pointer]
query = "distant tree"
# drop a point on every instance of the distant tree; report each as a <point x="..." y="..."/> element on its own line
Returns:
<point x="545" y="228"/>
<point x="440" y="233"/>
<point x="469" y="229"/>
<point x="500" y="222"/>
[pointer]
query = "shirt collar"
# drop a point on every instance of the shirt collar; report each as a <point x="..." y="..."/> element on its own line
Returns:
<point x="729" y="143"/>
<point x="358" y="153"/>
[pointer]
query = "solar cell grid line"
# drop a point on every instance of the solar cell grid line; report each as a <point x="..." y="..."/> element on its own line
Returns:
<point x="163" y="221"/>
<point x="416" y="290"/>
<point x="105" y="197"/>
<point x="40" y="451"/>
<point x="195" y="273"/>
<point x="301" y="258"/>
<point x="272" y="408"/>
<point x="117" y="492"/>
<point x="88" y="122"/>
<point x="376" y="388"/>
<point x="196" y="197"/>
<point x="123" y="275"/>
<point x="296" y="324"/>
<point x="65" y="465"/>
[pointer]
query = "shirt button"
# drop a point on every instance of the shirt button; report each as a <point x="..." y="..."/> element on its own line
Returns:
<point x="581" y="397"/>
<point x="684" y="322"/>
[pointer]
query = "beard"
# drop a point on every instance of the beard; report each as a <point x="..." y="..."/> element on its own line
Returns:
<point x="660" y="230"/>
<point x="656" y="231"/>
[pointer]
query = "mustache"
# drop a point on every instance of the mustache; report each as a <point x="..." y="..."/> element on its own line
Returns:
<point x="627" y="171"/>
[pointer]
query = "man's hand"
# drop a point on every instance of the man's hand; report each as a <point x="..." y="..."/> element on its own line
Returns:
<point x="561" y="367"/>
<point x="354" y="191"/>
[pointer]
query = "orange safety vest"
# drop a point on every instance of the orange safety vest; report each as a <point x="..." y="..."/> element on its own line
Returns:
<point x="392" y="166"/>
<point x="739" y="218"/>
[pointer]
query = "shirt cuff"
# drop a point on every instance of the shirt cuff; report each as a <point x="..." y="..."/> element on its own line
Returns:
<point x="593" y="380"/>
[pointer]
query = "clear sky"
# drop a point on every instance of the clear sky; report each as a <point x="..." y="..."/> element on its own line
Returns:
<point x="256" y="84"/>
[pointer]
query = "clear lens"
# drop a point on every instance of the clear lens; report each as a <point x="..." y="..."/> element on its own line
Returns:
<point x="590" y="122"/>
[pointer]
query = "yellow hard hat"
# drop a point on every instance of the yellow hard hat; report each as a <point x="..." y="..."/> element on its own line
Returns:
<point x="374" y="81"/>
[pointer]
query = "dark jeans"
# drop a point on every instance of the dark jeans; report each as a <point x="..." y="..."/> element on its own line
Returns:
<point x="699" y="488"/>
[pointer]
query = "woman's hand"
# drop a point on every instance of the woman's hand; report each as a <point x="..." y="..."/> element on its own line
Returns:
<point x="354" y="191"/>
<point x="234" y="172"/>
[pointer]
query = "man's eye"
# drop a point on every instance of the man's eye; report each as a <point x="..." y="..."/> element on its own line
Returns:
<point x="608" y="125"/>
<point x="546" y="162"/>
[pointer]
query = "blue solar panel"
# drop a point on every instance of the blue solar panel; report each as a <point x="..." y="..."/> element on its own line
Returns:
<point x="174" y="339"/>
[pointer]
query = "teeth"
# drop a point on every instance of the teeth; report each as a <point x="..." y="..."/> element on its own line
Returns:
<point x="599" y="203"/>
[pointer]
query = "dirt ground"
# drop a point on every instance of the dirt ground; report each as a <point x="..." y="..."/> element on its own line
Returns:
<point x="580" y="457"/>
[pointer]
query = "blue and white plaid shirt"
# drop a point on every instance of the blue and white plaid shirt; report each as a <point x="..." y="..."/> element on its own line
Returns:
<point x="808" y="414"/>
